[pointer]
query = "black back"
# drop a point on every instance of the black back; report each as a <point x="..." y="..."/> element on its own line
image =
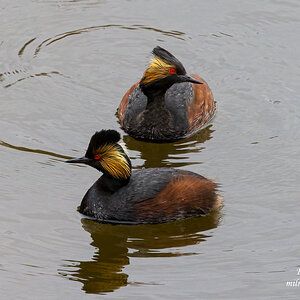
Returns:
<point x="120" y="205"/>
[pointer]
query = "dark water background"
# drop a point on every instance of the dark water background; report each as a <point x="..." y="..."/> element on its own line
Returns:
<point x="65" y="66"/>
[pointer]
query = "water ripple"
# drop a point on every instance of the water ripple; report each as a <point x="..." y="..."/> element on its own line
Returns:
<point x="173" y="33"/>
<point x="45" y="74"/>
<point x="115" y="245"/>
<point x="39" y="151"/>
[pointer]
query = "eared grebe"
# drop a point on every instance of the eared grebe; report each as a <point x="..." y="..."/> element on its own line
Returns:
<point x="166" y="104"/>
<point x="145" y="196"/>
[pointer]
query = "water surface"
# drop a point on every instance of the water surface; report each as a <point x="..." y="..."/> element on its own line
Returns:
<point x="64" y="69"/>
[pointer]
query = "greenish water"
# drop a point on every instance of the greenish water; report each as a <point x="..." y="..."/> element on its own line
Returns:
<point x="64" y="69"/>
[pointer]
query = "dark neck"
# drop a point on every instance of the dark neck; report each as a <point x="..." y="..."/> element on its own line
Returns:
<point x="156" y="101"/>
<point x="156" y="89"/>
<point x="112" y="184"/>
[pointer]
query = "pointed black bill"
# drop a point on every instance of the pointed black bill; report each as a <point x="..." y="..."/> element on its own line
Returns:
<point x="187" y="78"/>
<point x="80" y="160"/>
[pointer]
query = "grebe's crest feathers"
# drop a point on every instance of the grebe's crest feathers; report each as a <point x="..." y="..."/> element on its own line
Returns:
<point x="160" y="65"/>
<point x="110" y="154"/>
<point x="167" y="57"/>
<point x="101" y="138"/>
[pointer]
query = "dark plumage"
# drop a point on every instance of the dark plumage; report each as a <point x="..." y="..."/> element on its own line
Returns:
<point x="154" y="195"/>
<point x="166" y="104"/>
<point x="102" y="138"/>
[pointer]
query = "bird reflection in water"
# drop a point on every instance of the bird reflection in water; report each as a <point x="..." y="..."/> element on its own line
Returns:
<point x="115" y="244"/>
<point x="176" y="154"/>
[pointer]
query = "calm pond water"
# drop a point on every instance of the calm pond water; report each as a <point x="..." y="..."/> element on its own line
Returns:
<point x="65" y="66"/>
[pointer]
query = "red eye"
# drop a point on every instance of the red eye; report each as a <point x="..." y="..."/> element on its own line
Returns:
<point x="172" y="71"/>
<point x="97" y="156"/>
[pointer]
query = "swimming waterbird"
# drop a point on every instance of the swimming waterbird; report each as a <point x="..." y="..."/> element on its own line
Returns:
<point x="166" y="104"/>
<point x="143" y="196"/>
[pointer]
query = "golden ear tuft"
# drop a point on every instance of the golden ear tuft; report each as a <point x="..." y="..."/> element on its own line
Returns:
<point x="114" y="161"/>
<point x="157" y="69"/>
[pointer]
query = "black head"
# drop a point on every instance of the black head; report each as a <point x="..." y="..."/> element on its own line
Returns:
<point x="164" y="70"/>
<point x="106" y="155"/>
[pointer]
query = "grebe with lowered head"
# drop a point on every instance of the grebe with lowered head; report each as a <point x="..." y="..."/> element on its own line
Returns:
<point x="166" y="104"/>
<point x="144" y="196"/>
